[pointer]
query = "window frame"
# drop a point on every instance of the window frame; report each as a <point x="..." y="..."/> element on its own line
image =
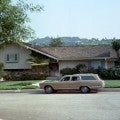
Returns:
<point x="12" y="58"/>
<point x="96" y="64"/>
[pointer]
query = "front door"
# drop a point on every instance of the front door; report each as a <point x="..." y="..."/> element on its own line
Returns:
<point x="53" y="69"/>
<point x="64" y="83"/>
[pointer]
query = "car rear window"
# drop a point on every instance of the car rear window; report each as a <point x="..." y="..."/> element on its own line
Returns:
<point x="88" y="78"/>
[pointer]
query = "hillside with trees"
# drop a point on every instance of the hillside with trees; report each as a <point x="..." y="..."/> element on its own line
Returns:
<point x="72" y="41"/>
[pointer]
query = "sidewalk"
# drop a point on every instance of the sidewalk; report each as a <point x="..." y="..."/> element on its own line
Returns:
<point x="32" y="91"/>
<point x="39" y="91"/>
<point x="111" y="90"/>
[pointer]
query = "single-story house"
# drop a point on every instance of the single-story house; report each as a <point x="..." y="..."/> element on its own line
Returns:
<point x="15" y="56"/>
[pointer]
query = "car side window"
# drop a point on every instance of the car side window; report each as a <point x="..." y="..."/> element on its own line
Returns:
<point x="88" y="78"/>
<point x="75" y="78"/>
<point x="66" y="79"/>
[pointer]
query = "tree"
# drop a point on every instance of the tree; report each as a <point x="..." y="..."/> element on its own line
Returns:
<point x="116" y="47"/>
<point x="13" y="19"/>
<point x="56" y="42"/>
<point x="37" y="59"/>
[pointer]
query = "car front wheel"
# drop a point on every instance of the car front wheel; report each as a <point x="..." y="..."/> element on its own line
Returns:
<point x="48" y="89"/>
<point x="84" y="89"/>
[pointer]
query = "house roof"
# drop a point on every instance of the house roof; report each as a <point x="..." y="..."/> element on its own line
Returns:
<point x="77" y="52"/>
<point x="37" y="49"/>
<point x="74" y="52"/>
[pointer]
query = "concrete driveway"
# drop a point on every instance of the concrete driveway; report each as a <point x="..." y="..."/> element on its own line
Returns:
<point x="74" y="106"/>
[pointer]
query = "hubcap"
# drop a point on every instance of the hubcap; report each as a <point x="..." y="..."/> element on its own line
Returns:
<point x="48" y="90"/>
<point x="84" y="89"/>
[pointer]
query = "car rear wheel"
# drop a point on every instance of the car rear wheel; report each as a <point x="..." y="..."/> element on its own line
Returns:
<point x="84" y="89"/>
<point x="48" y="89"/>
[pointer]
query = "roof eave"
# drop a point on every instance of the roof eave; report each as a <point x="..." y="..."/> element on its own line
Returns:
<point x="41" y="52"/>
<point x="86" y="58"/>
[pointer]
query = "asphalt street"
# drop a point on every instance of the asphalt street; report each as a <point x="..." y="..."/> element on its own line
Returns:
<point x="60" y="106"/>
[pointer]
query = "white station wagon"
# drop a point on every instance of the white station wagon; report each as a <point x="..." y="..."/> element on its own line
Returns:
<point x="82" y="82"/>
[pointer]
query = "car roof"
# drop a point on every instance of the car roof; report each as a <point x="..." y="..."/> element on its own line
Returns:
<point x="81" y="74"/>
<point x="85" y="74"/>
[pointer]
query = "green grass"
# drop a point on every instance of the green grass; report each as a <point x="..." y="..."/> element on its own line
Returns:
<point x="14" y="85"/>
<point x="112" y="83"/>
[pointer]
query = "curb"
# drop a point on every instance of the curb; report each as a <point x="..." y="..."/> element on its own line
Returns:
<point x="111" y="90"/>
<point x="39" y="91"/>
<point x="32" y="91"/>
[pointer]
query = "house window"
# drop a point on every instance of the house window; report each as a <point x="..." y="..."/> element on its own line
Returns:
<point x="96" y="64"/>
<point x="12" y="58"/>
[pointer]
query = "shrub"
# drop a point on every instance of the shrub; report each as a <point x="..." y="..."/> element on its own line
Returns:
<point x="103" y="73"/>
<point x="91" y="70"/>
<point x="68" y="71"/>
<point x="24" y="76"/>
<point x="81" y="68"/>
<point x="112" y="73"/>
<point x="1" y="70"/>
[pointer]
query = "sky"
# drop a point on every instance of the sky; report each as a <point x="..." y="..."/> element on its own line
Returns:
<point x="77" y="18"/>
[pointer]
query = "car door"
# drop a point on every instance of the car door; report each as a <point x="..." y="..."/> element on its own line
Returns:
<point x="74" y="83"/>
<point x="64" y="83"/>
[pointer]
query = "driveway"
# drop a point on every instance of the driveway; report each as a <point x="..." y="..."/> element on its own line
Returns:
<point x="34" y="106"/>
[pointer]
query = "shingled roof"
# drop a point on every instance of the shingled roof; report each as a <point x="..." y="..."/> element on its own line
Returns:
<point x="78" y="52"/>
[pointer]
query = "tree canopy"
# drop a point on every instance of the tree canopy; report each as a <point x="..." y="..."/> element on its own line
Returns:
<point x="56" y="42"/>
<point x="116" y="46"/>
<point x="13" y="19"/>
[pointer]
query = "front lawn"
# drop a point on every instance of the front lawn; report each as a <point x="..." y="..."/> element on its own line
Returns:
<point x="112" y="83"/>
<point x="15" y="85"/>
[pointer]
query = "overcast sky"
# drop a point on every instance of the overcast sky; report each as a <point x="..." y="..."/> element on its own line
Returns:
<point x="82" y="18"/>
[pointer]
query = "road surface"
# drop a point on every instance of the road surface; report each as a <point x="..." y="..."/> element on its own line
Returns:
<point x="60" y="106"/>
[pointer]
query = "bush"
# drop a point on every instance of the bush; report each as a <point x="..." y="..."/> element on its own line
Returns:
<point x="1" y="70"/>
<point x="68" y="71"/>
<point x="24" y="76"/>
<point x="112" y="73"/>
<point x="80" y="68"/>
<point x="103" y="73"/>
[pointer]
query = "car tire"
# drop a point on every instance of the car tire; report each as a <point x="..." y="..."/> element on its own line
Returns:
<point x="84" y="89"/>
<point x="48" y="90"/>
